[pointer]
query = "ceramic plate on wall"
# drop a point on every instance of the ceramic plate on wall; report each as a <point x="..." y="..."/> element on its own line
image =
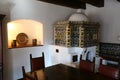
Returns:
<point x="22" y="39"/>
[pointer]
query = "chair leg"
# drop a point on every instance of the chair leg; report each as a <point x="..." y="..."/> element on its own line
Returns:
<point x="35" y="75"/>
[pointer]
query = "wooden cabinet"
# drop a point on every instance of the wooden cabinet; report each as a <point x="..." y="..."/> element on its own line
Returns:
<point x="76" y="34"/>
<point x="1" y="48"/>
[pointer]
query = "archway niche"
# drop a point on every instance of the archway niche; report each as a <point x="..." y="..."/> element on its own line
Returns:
<point x="33" y="29"/>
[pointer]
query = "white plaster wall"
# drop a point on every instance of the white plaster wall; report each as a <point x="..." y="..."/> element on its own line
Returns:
<point x="46" y="13"/>
<point x="5" y="6"/>
<point x="109" y="19"/>
<point x="108" y="16"/>
<point x="20" y="57"/>
<point x="43" y="12"/>
<point x="62" y="56"/>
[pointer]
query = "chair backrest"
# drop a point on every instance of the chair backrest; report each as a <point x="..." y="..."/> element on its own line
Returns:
<point x="87" y="65"/>
<point x="37" y="62"/>
<point x="26" y="77"/>
<point x="109" y="71"/>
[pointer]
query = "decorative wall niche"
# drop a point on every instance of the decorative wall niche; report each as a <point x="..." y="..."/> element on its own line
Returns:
<point x="31" y="30"/>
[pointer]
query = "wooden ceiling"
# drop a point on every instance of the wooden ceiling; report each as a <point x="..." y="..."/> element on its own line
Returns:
<point x="76" y="3"/>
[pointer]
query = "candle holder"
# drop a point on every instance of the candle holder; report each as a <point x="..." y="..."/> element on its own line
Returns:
<point x="34" y="42"/>
<point x="14" y="44"/>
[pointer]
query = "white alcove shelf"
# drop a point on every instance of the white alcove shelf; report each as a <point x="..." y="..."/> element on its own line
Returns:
<point x="32" y="29"/>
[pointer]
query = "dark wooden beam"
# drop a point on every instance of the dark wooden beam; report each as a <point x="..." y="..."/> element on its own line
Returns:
<point x="97" y="3"/>
<point x="118" y="0"/>
<point x="68" y="3"/>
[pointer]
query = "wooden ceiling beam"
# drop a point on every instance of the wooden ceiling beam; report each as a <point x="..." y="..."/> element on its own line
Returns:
<point x="76" y="3"/>
<point x="118" y="0"/>
<point x="68" y="3"/>
<point x="97" y="3"/>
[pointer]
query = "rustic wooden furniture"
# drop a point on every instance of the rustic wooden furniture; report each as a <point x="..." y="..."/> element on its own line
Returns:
<point x="63" y="72"/>
<point x="87" y="65"/>
<point x="1" y="46"/>
<point x="109" y="71"/>
<point x="37" y="63"/>
<point x="25" y="77"/>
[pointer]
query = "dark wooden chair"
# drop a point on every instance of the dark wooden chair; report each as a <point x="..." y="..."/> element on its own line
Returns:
<point x="26" y="77"/>
<point x="37" y="62"/>
<point x="86" y="65"/>
<point x="109" y="71"/>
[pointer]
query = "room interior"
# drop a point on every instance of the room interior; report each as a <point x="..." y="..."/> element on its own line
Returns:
<point x="45" y="15"/>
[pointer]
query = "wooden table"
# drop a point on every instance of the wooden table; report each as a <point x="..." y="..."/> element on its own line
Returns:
<point x="62" y="72"/>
